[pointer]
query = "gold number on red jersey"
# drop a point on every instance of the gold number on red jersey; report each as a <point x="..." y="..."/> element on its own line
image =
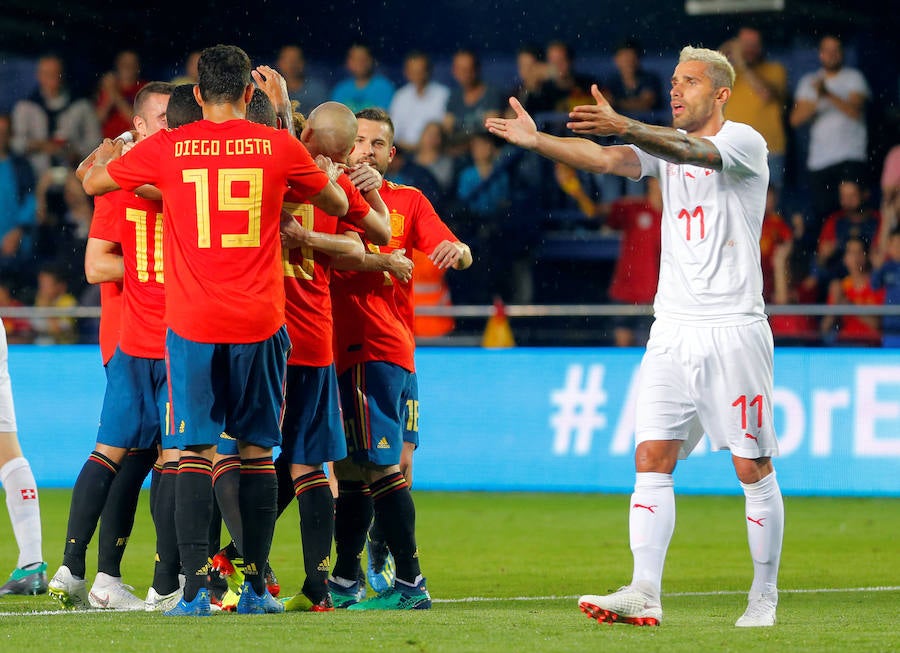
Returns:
<point x="304" y="213"/>
<point x="252" y="203"/>
<point x="142" y="245"/>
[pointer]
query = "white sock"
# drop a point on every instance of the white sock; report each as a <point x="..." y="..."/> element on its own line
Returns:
<point x="650" y="524"/>
<point x="765" y="529"/>
<point x="24" y="509"/>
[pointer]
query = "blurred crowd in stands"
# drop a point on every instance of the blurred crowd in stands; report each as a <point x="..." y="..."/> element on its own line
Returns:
<point x="829" y="235"/>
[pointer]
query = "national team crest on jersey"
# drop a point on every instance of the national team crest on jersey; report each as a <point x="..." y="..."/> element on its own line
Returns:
<point x="398" y="223"/>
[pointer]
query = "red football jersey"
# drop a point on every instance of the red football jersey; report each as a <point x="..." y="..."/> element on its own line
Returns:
<point x="144" y="306"/>
<point x="414" y="225"/>
<point x="307" y="275"/>
<point x="223" y="185"/>
<point x="373" y="311"/>
<point x="105" y="226"/>
<point x="637" y="271"/>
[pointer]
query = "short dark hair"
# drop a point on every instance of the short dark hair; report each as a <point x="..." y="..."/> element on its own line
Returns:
<point x="566" y="47"/>
<point x="531" y="49"/>
<point x="261" y="109"/>
<point x="418" y="54"/>
<point x="183" y="107"/>
<point x="377" y="115"/>
<point x="159" y="88"/>
<point x="631" y="44"/>
<point x="224" y="74"/>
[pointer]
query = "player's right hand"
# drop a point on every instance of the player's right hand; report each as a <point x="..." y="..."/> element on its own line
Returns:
<point x="520" y="130"/>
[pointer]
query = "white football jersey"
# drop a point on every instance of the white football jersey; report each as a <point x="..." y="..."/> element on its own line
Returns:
<point x="710" y="265"/>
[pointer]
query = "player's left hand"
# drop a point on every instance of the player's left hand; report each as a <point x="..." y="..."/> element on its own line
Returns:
<point x="599" y="119"/>
<point x="446" y="254"/>
<point x="365" y="177"/>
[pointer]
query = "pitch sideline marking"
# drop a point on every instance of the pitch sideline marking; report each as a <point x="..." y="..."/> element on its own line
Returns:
<point x="479" y="599"/>
<point x="485" y="599"/>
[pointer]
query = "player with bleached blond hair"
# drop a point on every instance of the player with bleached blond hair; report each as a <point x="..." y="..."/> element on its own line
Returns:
<point x="708" y="364"/>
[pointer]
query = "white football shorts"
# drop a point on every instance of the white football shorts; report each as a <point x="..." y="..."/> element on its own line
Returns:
<point x="7" y="412"/>
<point x="715" y="380"/>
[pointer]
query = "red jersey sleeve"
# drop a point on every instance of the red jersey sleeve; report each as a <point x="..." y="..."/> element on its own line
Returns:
<point x="141" y="165"/>
<point x="359" y="207"/>
<point x="104" y="225"/>
<point x="430" y="230"/>
<point x="303" y="176"/>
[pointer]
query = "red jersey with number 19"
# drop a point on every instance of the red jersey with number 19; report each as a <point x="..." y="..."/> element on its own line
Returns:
<point x="307" y="276"/>
<point x="105" y="226"/>
<point x="223" y="185"/>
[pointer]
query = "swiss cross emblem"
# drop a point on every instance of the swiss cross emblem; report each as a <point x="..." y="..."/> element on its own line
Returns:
<point x="28" y="493"/>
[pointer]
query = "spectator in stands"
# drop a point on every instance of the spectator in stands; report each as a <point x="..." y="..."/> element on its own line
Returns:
<point x="855" y="288"/>
<point x="890" y="172"/>
<point x="472" y="100"/>
<point x="64" y="213"/>
<point x="420" y="101"/>
<point x="792" y="284"/>
<point x="115" y="97"/>
<point x="50" y="127"/>
<point x="886" y="260"/>
<point x="364" y="88"/>
<point x="759" y="96"/>
<point x="533" y="74"/>
<point x="853" y="220"/>
<point x="431" y="154"/>
<point x="18" y="330"/>
<point x="53" y="292"/>
<point x="17" y="201"/>
<point x="190" y="75"/>
<point x="573" y="183"/>
<point x="631" y="89"/>
<point x="482" y="188"/>
<point x="775" y="232"/>
<point x="404" y="170"/>
<point x="308" y="91"/>
<point x="636" y="273"/>
<point x="564" y="86"/>
<point x="833" y="101"/>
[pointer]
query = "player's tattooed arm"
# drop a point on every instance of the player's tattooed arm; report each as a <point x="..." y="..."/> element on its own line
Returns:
<point x="601" y="119"/>
<point x="673" y="145"/>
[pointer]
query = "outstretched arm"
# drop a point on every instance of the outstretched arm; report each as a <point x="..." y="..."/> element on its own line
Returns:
<point x="665" y="142"/>
<point x="577" y="152"/>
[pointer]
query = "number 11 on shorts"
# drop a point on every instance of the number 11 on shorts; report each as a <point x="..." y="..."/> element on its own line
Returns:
<point x="755" y="401"/>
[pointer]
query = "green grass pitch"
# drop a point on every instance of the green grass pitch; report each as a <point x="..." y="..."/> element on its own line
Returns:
<point x="505" y="570"/>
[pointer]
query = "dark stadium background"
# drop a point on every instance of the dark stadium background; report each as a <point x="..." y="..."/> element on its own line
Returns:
<point x="96" y="29"/>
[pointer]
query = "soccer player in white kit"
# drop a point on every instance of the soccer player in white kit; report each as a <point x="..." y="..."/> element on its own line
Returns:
<point x="708" y="364"/>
